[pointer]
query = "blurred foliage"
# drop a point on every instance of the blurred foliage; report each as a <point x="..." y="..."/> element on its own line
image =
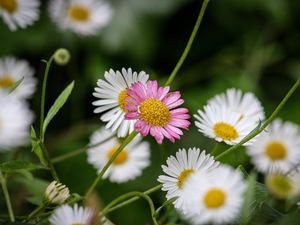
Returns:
<point x="251" y="44"/>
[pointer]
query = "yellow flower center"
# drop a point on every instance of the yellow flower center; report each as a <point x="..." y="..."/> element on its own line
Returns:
<point x="275" y="150"/>
<point x="121" y="100"/>
<point x="214" y="198"/>
<point x="6" y="82"/>
<point x="121" y="158"/>
<point x="225" y="131"/>
<point x="79" y="13"/>
<point x="9" y="5"/>
<point x="154" y="112"/>
<point x="279" y="185"/>
<point x="182" y="177"/>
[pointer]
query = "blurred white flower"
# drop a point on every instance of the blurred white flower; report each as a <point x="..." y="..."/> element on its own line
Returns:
<point x="67" y="215"/>
<point x="15" y="121"/>
<point x="84" y="17"/>
<point x="214" y="197"/>
<point x="112" y="93"/>
<point x="19" y="13"/>
<point x="128" y="164"/>
<point x="179" y="168"/>
<point x="56" y="193"/>
<point x="276" y="149"/>
<point x="13" y="70"/>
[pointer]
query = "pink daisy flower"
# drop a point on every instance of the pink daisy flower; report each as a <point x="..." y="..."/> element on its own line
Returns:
<point x="156" y="111"/>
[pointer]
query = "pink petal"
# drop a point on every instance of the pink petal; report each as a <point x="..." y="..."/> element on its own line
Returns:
<point x="139" y="125"/>
<point x="180" y="123"/>
<point x="155" y="132"/>
<point x="175" y="104"/>
<point x="139" y="89"/>
<point x="134" y="95"/>
<point x="172" y="97"/>
<point x="162" y="92"/>
<point x="179" y="111"/>
<point x="131" y="115"/>
<point x="131" y="107"/>
<point x="145" y="130"/>
<point x="152" y="88"/>
<point x="167" y="135"/>
<point x="174" y="131"/>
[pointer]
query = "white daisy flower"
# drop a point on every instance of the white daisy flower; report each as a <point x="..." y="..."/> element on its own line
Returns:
<point x="19" y="13"/>
<point x="179" y="168"/>
<point x="13" y="70"/>
<point x="67" y="215"/>
<point x="218" y="122"/>
<point x="112" y="93"/>
<point x="247" y="105"/>
<point x="128" y="164"/>
<point x="56" y="193"/>
<point x="276" y="149"/>
<point x="282" y="185"/>
<point x="15" y="121"/>
<point x="214" y="197"/>
<point x="84" y="17"/>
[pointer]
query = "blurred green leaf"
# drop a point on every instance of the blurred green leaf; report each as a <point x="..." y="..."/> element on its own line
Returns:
<point x="18" y="165"/>
<point x="59" y="102"/>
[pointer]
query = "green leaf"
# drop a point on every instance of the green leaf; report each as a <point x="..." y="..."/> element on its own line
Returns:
<point x="15" y="85"/>
<point x="248" y="199"/>
<point x="36" y="147"/>
<point x="59" y="102"/>
<point x="18" y="165"/>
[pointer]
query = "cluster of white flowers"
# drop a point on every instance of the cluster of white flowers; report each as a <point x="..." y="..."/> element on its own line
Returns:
<point x="84" y="17"/>
<point x="15" y="115"/>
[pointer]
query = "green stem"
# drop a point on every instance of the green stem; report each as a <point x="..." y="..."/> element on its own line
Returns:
<point x="107" y="165"/>
<point x="78" y="151"/>
<point x="36" y="211"/>
<point x="48" y="160"/>
<point x="7" y="198"/>
<point x="112" y="207"/>
<point x="189" y="44"/>
<point x="139" y="195"/>
<point x="166" y="203"/>
<point x="264" y="125"/>
<point x="48" y="64"/>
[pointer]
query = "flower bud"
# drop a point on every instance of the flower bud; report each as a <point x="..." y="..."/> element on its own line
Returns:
<point x="62" y="56"/>
<point x="56" y="193"/>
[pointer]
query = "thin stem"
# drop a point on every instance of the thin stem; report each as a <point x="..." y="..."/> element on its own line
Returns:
<point x="78" y="151"/>
<point x="48" y="160"/>
<point x="107" y="165"/>
<point x="110" y="207"/>
<point x="189" y="44"/>
<point x="264" y="125"/>
<point x="139" y="195"/>
<point x="7" y="198"/>
<point x="42" y="113"/>
<point x="36" y="211"/>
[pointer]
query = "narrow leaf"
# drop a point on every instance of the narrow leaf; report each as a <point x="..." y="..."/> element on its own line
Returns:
<point x="17" y="165"/>
<point x="15" y="85"/>
<point x="59" y="102"/>
<point x="36" y="147"/>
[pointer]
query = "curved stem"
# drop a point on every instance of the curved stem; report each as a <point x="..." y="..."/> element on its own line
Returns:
<point x="36" y="211"/>
<point x="189" y="44"/>
<point x="264" y="125"/>
<point x="112" y="207"/>
<point x="7" y="198"/>
<point x="107" y="165"/>
<point x="48" y="160"/>
<point x="135" y="194"/>
<point x="78" y="151"/>
<point x="48" y="64"/>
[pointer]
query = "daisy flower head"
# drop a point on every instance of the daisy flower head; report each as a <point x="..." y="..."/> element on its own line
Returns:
<point x="67" y="215"/>
<point x="283" y="185"/>
<point x="128" y="164"/>
<point x="56" y="193"/>
<point x="84" y="17"/>
<point x="218" y="122"/>
<point x="156" y="111"/>
<point x="15" y="121"/>
<point x="19" y="13"/>
<point x="13" y="70"/>
<point x="247" y="105"/>
<point x="112" y="94"/>
<point x="179" y="168"/>
<point x="276" y="149"/>
<point x="214" y="197"/>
